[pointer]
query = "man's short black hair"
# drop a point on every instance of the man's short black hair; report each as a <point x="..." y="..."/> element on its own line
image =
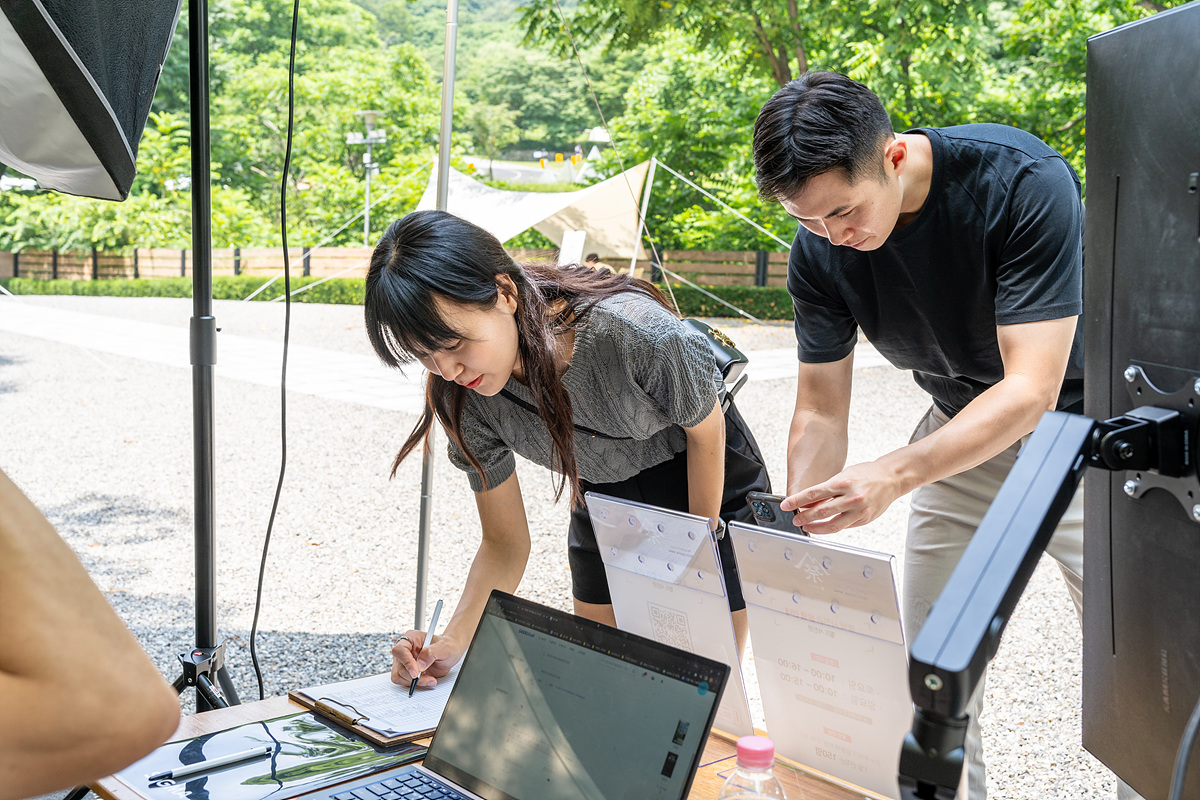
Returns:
<point x="820" y="122"/>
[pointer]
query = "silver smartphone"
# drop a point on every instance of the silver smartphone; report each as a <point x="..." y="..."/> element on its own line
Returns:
<point x="768" y="514"/>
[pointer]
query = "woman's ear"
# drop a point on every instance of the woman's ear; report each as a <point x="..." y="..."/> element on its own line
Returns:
<point x="506" y="291"/>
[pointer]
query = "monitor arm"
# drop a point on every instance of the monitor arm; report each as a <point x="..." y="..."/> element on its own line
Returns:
<point x="964" y="626"/>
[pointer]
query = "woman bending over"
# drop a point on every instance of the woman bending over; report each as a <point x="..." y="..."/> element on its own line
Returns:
<point x="583" y="371"/>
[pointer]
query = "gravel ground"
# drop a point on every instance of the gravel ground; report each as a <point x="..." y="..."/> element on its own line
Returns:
<point x="103" y="445"/>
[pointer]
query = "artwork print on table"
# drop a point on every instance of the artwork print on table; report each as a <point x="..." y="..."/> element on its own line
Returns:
<point x="306" y="754"/>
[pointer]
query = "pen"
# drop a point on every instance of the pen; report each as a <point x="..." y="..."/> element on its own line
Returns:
<point x="211" y="763"/>
<point x="432" y="624"/>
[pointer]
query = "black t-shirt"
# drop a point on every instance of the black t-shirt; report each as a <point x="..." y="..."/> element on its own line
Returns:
<point x="997" y="242"/>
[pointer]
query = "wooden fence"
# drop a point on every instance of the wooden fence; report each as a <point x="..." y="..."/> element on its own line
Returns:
<point x="728" y="268"/>
<point x="717" y="268"/>
<point x="160" y="262"/>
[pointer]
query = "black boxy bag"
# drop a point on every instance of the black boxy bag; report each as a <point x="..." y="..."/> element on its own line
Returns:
<point x="730" y="361"/>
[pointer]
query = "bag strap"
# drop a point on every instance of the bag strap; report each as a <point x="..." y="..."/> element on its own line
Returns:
<point x="581" y="428"/>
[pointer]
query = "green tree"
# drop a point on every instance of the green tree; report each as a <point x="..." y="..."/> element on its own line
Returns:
<point x="250" y="127"/>
<point x="551" y="95"/>
<point x="341" y="68"/>
<point x="1040" y="84"/>
<point x="1019" y="62"/>
<point x="422" y="23"/>
<point x="920" y="57"/>
<point x="164" y="154"/>
<point x="928" y="62"/>
<point x="694" y="110"/>
<point x="252" y="28"/>
<point x="258" y="28"/>
<point x="779" y="36"/>
<point x="492" y="128"/>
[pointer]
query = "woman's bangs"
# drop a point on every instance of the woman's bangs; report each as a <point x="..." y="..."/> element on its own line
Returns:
<point x="407" y="325"/>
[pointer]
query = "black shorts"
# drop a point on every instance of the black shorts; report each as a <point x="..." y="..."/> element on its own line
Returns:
<point x="666" y="485"/>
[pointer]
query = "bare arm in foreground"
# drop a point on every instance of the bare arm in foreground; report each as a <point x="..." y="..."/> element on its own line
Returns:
<point x="79" y="698"/>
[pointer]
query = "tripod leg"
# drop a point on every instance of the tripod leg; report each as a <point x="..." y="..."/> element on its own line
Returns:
<point x="78" y="793"/>
<point x="227" y="687"/>
<point x="210" y="692"/>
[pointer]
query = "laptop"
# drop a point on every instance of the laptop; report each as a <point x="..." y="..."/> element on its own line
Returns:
<point x="550" y="706"/>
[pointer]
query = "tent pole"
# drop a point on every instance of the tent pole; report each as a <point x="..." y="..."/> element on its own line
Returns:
<point x="443" y="189"/>
<point x="443" y="185"/>
<point x="642" y="212"/>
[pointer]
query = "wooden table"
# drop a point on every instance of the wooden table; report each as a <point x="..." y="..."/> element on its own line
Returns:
<point x="715" y="763"/>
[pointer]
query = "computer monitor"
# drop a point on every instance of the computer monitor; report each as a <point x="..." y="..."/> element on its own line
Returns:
<point x="1141" y="616"/>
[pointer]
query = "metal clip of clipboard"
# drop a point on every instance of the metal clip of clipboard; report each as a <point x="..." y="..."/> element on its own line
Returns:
<point x="322" y="705"/>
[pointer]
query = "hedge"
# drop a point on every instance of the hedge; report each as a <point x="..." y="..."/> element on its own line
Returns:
<point x="335" y="290"/>
<point x="764" y="302"/>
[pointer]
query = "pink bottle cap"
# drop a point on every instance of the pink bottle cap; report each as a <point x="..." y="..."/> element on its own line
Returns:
<point x="755" y="752"/>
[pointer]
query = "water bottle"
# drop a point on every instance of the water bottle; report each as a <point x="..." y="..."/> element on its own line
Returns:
<point x="753" y="777"/>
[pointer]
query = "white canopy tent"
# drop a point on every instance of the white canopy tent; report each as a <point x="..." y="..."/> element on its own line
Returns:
<point x="607" y="211"/>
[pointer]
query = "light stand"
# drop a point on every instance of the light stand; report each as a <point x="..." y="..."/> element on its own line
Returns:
<point x="206" y="660"/>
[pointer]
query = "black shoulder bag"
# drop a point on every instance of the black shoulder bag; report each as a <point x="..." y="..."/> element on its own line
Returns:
<point x="730" y="361"/>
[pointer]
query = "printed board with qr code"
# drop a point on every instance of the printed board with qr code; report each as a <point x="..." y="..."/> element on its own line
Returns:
<point x="829" y="651"/>
<point x="666" y="584"/>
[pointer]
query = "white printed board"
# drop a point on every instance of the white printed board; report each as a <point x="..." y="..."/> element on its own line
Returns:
<point x="666" y="584"/>
<point x="829" y="653"/>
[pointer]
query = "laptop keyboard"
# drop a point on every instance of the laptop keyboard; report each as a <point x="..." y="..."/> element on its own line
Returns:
<point x="411" y="786"/>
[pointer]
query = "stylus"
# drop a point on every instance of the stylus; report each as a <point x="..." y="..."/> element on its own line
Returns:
<point x="212" y="763"/>
<point x="437" y="609"/>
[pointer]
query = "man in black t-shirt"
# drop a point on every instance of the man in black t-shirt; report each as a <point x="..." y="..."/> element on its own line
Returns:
<point x="958" y="253"/>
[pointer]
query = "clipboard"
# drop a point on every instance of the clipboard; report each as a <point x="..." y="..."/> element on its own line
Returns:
<point x="378" y="710"/>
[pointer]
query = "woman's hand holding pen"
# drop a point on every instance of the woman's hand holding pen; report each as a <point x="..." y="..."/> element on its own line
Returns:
<point x="412" y="659"/>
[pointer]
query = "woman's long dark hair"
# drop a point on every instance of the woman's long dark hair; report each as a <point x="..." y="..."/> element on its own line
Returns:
<point x="432" y="253"/>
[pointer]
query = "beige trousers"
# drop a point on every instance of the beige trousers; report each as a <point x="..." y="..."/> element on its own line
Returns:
<point x="942" y="521"/>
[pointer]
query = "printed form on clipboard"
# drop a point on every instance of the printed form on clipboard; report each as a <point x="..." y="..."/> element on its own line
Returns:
<point x="377" y="709"/>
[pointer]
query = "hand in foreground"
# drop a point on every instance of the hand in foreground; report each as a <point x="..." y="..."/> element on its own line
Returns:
<point x="433" y="663"/>
<point x="855" y="496"/>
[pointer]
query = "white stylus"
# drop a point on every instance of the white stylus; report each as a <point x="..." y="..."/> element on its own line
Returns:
<point x="212" y="763"/>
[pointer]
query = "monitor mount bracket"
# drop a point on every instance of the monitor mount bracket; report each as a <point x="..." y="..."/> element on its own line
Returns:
<point x="1153" y="443"/>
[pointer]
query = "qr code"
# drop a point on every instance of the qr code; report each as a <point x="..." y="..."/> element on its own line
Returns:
<point x="670" y="627"/>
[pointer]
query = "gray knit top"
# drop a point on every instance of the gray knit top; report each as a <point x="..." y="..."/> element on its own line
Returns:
<point x="637" y="373"/>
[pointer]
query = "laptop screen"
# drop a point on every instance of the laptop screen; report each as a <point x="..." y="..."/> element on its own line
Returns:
<point x="548" y="706"/>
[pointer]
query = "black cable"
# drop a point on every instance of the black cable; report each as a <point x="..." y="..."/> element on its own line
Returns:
<point x="287" y="325"/>
<point x="1185" y="753"/>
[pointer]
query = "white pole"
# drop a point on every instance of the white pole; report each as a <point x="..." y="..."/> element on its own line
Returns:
<point x="642" y="212"/>
<point x="442" y="193"/>
<point x="447" y="104"/>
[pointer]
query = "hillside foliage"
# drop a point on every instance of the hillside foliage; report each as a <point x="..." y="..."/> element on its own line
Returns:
<point x="681" y="81"/>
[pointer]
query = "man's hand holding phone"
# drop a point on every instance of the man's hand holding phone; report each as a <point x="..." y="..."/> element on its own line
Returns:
<point x="768" y="514"/>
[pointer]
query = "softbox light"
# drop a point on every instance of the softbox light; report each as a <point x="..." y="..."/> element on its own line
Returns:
<point x="76" y="81"/>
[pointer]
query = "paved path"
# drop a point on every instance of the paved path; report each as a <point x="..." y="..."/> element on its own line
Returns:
<point x="110" y="461"/>
<point x="326" y="373"/>
<point x="332" y="374"/>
